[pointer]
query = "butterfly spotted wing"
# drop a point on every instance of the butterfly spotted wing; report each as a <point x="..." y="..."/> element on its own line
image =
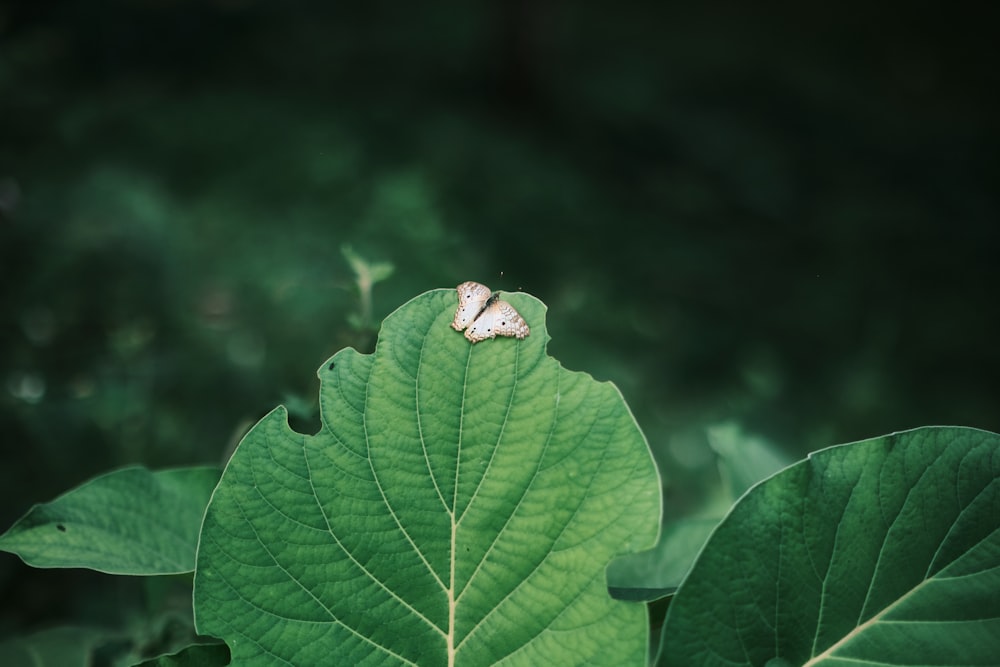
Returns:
<point x="472" y="298"/>
<point x="486" y="315"/>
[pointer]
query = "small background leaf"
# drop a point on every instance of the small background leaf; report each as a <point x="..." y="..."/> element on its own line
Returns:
<point x="885" y="551"/>
<point x="459" y="506"/>
<point x="652" y="574"/>
<point x="199" y="655"/>
<point x="57" y="647"/>
<point x="743" y="461"/>
<point x="130" y="521"/>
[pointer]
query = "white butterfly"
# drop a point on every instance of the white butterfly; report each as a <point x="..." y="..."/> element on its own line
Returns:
<point x="485" y="315"/>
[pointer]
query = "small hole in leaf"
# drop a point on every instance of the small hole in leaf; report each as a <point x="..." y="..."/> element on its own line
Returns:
<point x="61" y="528"/>
<point x="330" y="367"/>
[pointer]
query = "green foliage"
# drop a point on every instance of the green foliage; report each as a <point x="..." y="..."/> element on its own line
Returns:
<point x="885" y="551"/>
<point x="474" y="504"/>
<point x="729" y="217"/>
<point x="653" y="574"/>
<point x="366" y="275"/>
<point x="198" y="655"/>
<point x="69" y="646"/>
<point x="57" y="647"/>
<point x="130" y="521"/>
<point x="743" y="460"/>
<point x="459" y="506"/>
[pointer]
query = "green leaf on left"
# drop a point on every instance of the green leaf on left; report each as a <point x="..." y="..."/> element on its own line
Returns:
<point x="458" y="507"/>
<point x="130" y="521"/>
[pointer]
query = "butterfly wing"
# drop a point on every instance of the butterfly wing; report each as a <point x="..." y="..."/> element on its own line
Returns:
<point x="472" y="298"/>
<point x="498" y="318"/>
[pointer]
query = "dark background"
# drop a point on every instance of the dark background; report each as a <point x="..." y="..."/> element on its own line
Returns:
<point x="782" y="218"/>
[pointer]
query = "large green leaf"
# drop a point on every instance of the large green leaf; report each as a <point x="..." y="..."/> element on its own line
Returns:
<point x="881" y="552"/>
<point x="130" y="521"/>
<point x="458" y="507"/>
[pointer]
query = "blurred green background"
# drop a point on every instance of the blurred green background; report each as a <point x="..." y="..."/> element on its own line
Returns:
<point x="783" y="219"/>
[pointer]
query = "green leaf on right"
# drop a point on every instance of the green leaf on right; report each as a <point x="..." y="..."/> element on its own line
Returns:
<point x="885" y="551"/>
<point x="459" y="506"/>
